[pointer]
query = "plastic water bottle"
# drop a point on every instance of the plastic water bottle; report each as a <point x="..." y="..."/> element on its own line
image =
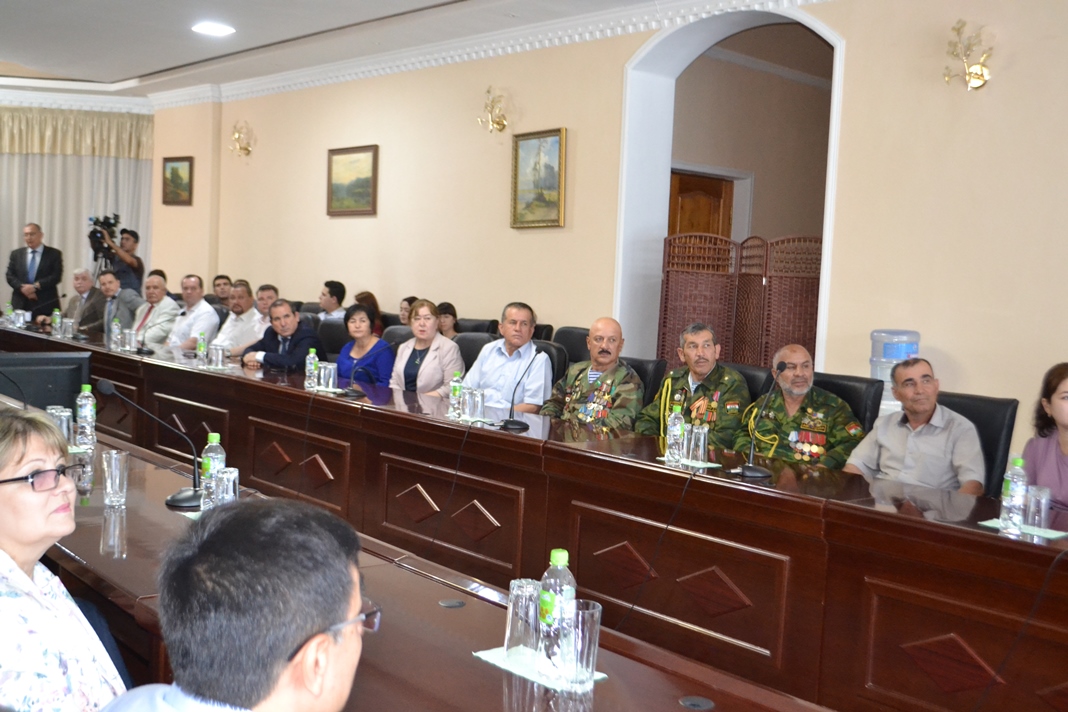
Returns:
<point x="202" y="350"/>
<point x="456" y="389"/>
<point x="57" y="321"/>
<point x="9" y="313"/>
<point x="115" y="337"/>
<point x="85" y="409"/>
<point x="675" y="426"/>
<point x="212" y="459"/>
<point x="1013" y="497"/>
<point x="557" y="587"/>
<point x="311" y="371"/>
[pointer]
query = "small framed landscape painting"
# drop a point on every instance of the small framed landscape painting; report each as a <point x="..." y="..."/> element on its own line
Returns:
<point x="178" y="181"/>
<point x="538" y="178"/>
<point x="352" y="181"/>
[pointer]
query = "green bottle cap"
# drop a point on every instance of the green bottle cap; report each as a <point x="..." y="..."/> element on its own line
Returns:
<point x="677" y="409"/>
<point x="87" y="388"/>
<point x="311" y="352"/>
<point x="455" y="374"/>
<point x="1017" y="462"/>
<point x="558" y="557"/>
<point x="213" y="438"/>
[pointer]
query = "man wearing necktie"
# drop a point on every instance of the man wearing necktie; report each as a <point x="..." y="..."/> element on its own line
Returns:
<point x="121" y="303"/>
<point x="285" y="345"/>
<point x="34" y="273"/>
<point x="155" y="319"/>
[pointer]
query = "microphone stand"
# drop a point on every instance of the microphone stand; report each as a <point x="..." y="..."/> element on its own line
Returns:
<point x="749" y="469"/>
<point x="187" y="497"/>
<point x="510" y="424"/>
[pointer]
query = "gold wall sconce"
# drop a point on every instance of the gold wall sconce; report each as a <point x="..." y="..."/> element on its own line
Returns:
<point x="974" y="73"/>
<point x="494" y="119"/>
<point x="242" y="139"/>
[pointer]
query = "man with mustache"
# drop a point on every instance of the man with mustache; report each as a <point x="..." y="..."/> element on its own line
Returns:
<point x="802" y="423"/>
<point x="602" y="391"/>
<point x="927" y="444"/>
<point x="710" y="393"/>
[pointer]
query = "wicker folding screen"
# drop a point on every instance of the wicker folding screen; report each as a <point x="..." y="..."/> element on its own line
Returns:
<point x="749" y="313"/>
<point x="699" y="277"/>
<point x="792" y="293"/>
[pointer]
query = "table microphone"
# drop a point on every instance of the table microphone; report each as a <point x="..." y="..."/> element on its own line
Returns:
<point x="187" y="497"/>
<point x="22" y="394"/>
<point x="749" y="469"/>
<point x="510" y="424"/>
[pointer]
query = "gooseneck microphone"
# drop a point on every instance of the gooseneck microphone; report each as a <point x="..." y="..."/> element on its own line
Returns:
<point x="749" y="469"/>
<point x="22" y="393"/>
<point x="187" y="497"/>
<point x="510" y="424"/>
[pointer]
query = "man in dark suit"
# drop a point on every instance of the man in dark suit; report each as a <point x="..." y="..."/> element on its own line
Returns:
<point x="285" y="345"/>
<point x="119" y="304"/>
<point x="86" y="307"/>
<point x="34" y="273"/>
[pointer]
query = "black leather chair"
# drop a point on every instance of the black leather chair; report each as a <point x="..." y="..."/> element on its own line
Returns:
<point x="222" y="312"/>
<point x="557" y="357"/>
<point x="650" y="370"/>
<point x="543" y="332"/>
<point x="311" y="320"/>
<point x="310" y="308"/>
<point x="297" y="304"/>
<point x="389" y="320"/>
<point x="477" y="326"/>
<point x="862" y="395"/>
<point x="470" y="346"/>
<point x="994" y="418"/>
<point x="334" y="335"/>
<point x="396" y="335"/>
<point x="757" y="378"/>
<point x="573" y="339"/>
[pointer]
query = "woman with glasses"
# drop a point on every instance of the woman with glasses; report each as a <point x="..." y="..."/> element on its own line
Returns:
<point x="50" y="658"/>
<point x="426" y="362"/>
<point x="367" y="358"/>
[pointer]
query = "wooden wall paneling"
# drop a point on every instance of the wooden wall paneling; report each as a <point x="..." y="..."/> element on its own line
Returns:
<point x="113" y="415"/>
<point x="921" y="616"/>
<point x="194" y="419"/>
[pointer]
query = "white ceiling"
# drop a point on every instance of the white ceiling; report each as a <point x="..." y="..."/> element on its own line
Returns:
<point x="139" y="47"/>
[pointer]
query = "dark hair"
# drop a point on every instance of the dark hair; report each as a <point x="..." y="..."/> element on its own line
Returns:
<point x="447" y="308"/>
<point x="369" y="299"/>
<point x="410" y="300"/>
<point x="420" y="303"/>
<point x="242" y="284"/>
<point x="217" y="277"/>
<point x="696" y="328"/>
<point x="107" y="271"/>
<point x="281" y="303"/>
<point x="908" y="363"/>
<point x="1044" y="423"/>
<point x="336" y="290"/>
<point x="131" y="233"/>
<point x="520" y="305"/>
<point x="266" y="287"/>
<point x="200" y="282"/>
<point x="158" y="273"/>
<point x="247" y="584"/>
<point x="365" y="309"/>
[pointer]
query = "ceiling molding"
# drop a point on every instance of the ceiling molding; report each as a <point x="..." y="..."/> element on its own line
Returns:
<point x="760" y="65"/>
<point x="76" y="102"/>
<point x="202" y="94"/>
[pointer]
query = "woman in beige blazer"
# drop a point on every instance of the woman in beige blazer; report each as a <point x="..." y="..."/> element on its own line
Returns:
<point x="426" y="362"/>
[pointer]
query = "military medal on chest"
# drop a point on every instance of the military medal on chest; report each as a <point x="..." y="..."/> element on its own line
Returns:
<point x="598" y="403"/>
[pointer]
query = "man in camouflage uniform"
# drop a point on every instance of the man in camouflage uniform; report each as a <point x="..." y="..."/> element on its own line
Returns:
<point x="709" y="393"/>
<point x="602" y="391"/>
<point x="802" y="423"/>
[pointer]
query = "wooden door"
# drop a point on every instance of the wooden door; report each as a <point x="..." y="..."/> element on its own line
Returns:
<point x="700" y="204"/>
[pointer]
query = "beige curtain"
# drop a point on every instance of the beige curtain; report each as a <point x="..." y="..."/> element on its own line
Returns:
<point x="75" y="133"/>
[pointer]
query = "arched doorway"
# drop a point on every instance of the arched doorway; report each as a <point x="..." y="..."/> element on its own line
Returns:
<point x="646" y="159"/>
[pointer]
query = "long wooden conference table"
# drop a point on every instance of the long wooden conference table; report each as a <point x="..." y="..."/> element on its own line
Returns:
<point x="855" y="595"/>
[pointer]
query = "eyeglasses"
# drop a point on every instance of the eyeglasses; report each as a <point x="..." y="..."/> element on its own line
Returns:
<point x="370" y="616"/>
<point x="46" y="480"/>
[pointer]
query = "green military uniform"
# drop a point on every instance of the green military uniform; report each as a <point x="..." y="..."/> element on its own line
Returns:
<point x="718" y="401"/>
<point x="612" y="400"/>
<point x="823" y="431"/>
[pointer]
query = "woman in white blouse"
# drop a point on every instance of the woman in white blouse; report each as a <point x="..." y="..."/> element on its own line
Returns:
<point x="50" y="658"/>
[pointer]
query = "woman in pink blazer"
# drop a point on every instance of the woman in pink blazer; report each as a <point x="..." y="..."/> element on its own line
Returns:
<point x="426" y="362"/>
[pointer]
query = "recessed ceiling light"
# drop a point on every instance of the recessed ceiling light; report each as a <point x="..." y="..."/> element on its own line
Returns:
<point x="215" y="29"/>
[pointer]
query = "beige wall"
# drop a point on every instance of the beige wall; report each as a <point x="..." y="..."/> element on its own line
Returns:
<point x="949" y="214"/>
<point x="442" y="229"/>
<point x="730" y="116"/>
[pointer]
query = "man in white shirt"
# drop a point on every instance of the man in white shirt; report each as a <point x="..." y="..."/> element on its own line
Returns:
<point x="198" y="316"/>
<point x="154" y="319"/>
<point x="506" y="362"/>
<point x="330" y="300"/>
<point x="243" y="327"/>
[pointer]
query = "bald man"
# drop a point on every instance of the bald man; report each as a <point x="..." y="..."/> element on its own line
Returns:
<point x="602" y="391"/>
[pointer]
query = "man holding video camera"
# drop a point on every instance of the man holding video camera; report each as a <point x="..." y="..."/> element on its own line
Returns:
<point x="125" y="263"/>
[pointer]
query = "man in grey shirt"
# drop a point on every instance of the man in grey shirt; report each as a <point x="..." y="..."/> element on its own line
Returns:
<point x="926" y="444"/>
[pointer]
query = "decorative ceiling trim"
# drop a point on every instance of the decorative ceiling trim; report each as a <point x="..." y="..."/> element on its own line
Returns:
<point x="760" y="65"/>
<point x="76" y="102"/>
<point x="202" y="94"/>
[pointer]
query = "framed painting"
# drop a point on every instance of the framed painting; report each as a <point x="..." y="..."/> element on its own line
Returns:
<point x="352" y="181"/>
<point x="178" y="180"/>
<point x="538" y="178"/>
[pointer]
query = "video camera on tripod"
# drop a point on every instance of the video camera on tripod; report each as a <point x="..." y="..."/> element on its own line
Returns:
<point x="103" y="255"/>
